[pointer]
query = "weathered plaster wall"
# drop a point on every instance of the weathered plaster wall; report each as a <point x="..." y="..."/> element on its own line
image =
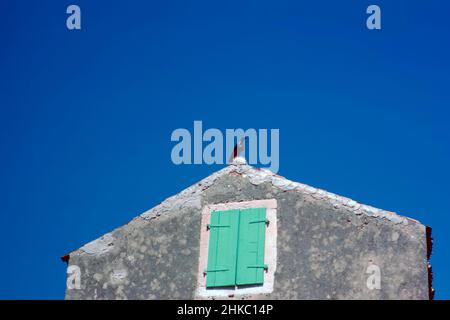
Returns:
<point x="154" y="259"/>
<point x="325" y="244"/>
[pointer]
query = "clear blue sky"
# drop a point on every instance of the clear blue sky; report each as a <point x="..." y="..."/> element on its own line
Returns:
<point x="86" y="116"/>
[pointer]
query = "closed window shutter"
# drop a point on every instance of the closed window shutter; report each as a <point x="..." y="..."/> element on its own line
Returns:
<point x="250" y="261"/>
<point x="222" y="251"/>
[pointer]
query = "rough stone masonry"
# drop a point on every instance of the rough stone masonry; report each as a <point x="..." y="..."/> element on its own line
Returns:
<point x="325" y="245"/>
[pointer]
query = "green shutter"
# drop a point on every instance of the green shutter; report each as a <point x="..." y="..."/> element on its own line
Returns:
<point x="250" y="262"/>
<point x="236" y="247"/>
<point x="222" y="252"/>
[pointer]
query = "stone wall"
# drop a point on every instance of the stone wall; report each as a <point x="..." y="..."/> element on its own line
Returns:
<point x="323" y="249"/>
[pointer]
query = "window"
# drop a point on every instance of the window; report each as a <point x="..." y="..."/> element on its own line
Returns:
<point x="236" y="244"/>
<point x="236" y="247"/>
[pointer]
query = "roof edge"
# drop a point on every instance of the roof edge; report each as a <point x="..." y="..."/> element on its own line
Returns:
<point x="191" y="197"/>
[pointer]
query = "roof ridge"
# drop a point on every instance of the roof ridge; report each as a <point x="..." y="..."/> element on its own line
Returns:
<point x="258" y="176"/>
<point x="191" y="197"/>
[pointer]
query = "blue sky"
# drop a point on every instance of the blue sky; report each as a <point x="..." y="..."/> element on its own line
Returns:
<point x="86" y="116"/>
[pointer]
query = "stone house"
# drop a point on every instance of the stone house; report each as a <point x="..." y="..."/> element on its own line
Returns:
<point x="246" y="233"/>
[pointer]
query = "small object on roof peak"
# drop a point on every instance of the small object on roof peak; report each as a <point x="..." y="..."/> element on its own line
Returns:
<point x="239" y="160"/>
